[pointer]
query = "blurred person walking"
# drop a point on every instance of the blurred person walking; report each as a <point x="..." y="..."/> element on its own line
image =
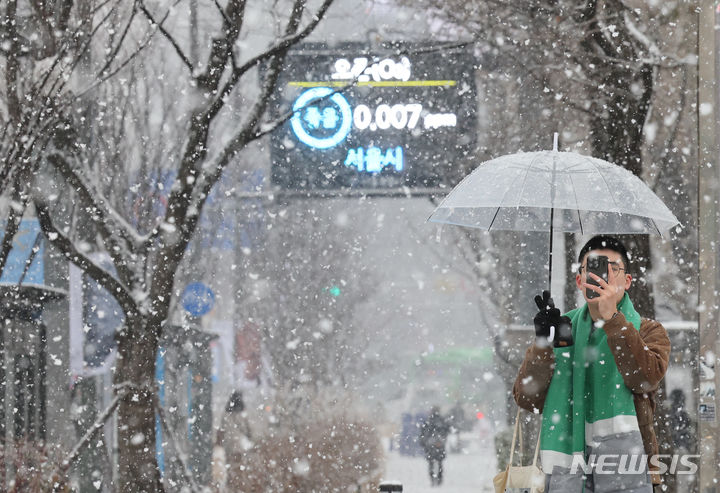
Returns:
<point x="233" y="439"/>
<point x="680" y="424"/>
<point x="433" y="434"/>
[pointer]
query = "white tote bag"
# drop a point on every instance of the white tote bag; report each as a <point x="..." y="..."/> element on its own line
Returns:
<point x="520" y="479"/>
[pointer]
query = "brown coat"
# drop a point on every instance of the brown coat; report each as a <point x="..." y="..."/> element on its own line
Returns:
<point x="641" y="357"/>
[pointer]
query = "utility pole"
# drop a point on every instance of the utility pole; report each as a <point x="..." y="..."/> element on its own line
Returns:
<point x="709" y="347"/>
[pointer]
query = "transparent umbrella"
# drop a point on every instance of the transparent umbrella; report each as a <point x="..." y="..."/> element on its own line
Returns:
<point x="554" y="191"/>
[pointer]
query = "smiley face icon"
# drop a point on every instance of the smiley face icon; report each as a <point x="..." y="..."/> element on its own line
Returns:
<point x="322" y="118"/>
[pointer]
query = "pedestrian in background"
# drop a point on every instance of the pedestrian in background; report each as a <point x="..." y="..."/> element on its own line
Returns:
<point x="233" y="439"/>
<point x="433" y="434"/>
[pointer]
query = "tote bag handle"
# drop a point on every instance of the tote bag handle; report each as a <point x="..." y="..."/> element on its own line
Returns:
<point x="512" y="447"/>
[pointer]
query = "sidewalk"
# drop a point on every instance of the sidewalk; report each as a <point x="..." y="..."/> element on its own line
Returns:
<point x="470" y="471"/>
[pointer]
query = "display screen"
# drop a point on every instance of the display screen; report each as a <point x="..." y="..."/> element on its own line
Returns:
<point x="393" y="116"/>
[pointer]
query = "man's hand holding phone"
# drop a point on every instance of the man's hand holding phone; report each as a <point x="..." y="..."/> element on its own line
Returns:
<point x="550" y="327"/>
<point x="598" y="266"/>
<point x="603" y="293"/>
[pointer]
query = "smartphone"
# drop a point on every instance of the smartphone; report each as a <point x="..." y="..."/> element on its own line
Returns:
<point x="598" y="265"/>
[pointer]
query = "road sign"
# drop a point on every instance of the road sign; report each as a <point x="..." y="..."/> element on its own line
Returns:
<point x="197" y="299"/>
<point x="381" y="117"/>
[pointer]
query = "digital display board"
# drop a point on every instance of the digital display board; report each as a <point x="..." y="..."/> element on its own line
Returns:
<point x="387" y="117"/>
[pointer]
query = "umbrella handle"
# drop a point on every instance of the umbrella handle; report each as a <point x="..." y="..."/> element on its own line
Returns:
<point x="550" y="256"/>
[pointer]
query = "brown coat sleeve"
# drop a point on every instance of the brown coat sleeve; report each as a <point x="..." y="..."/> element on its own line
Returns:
<point x="641" y="356"/>
<point x="533" y="380"/>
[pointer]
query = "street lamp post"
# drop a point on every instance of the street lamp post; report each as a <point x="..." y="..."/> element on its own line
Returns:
<point x="708" y="180"/>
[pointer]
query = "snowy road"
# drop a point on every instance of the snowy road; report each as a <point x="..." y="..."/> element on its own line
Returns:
<point x="468" y="472"/>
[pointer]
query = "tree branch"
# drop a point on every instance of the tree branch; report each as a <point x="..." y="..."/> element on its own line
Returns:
<point x="196" y="148"/>
<point x="80" y="55"/>
<point x="181" y="216"/>
<point x="249" y="131"/>
<point x="633" y="31"/>
<point x="587" y="13"/>
<point x="101" y="78"/>
<point x="100" y="212"/>
<point x="41" y="10"/>
<point x="107" y="217"/>
<point x="187" y="474"/>
<point x="64" y="16"/>
<point x="12" y="226"/>
<point x="117" y="289"/>
<point x="281" y="46"/>
<point x="59" y="475"/>
<point x="672" y="135"/>
<point x="12" y="64"/>
<point x="113" y="54"/>
<point x="169" y="37"/>
<point x="222" y="47"/>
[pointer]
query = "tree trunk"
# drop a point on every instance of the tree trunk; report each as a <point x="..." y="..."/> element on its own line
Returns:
<point x="617" y="136"/>
<point x="137" y="464"/>
<point x="570" y="294"/>
<point x="640" y="265"/>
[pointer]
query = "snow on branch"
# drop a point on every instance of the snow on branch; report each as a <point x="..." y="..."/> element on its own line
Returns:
<point x="250" y="131"/>
<point x="291" y="39"/>
<point x="282" y="45"/>
<point x="59" y="475"/>
<point x="657" y="57"/>
<point x="193" y="183"/>
<point x="176" y="46"/>
<point x="119" y="291"/>
<point x="107" y="217"/>
<point x="105" y="73"/>
<point x="222" y="47"/>
<point x="649" y="45"/>
<point x="114" y="52"/>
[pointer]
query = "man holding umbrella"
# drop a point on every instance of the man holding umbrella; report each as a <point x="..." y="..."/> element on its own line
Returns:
<point x="593" y="374"/>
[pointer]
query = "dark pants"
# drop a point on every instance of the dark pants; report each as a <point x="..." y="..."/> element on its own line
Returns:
<point x="436" y="470"/>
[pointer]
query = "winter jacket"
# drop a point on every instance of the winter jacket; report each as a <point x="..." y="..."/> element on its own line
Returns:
<point x="641" y="357"/>
<point x="433" y="433"/>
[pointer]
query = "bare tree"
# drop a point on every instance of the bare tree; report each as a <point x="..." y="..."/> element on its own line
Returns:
<point x="44" y="47"/>
<point x="606" y="75"/>
<point x="146" y="260"/>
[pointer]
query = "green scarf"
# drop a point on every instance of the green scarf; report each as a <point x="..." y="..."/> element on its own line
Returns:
<point x="587" y="393"/>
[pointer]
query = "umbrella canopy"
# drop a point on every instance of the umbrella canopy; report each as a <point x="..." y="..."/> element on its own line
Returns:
<point x="521" y="191"/>
<point x="552" y="190"/>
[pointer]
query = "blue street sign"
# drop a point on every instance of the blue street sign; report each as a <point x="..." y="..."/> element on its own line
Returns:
<point x="197" y="299"/>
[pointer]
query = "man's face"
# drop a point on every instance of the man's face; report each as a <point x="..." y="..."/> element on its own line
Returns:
<point x="618" y="278"/>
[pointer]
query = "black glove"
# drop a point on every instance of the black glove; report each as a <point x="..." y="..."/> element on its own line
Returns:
<point x="549" y="316"/>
